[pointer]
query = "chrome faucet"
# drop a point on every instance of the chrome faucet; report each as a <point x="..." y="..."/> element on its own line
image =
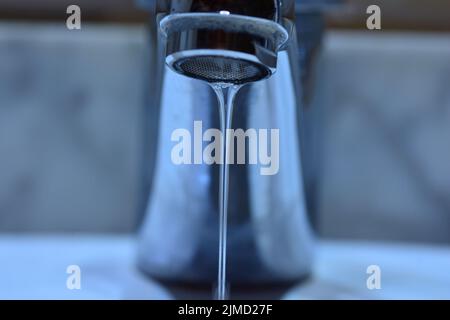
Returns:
<point x="270" y="236"/>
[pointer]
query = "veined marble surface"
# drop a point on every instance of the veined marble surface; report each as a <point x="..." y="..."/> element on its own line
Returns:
<point x="34" y="267"/>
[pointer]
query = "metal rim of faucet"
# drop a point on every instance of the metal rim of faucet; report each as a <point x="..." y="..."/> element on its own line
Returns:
<point x="213" y="65"/>
<point x="218" y="47"/>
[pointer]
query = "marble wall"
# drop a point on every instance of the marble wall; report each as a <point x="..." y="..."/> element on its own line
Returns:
<point x="383" y="101"/>
<point x="70" y="121"/>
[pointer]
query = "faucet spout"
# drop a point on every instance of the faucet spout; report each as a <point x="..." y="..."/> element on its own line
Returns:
<point x="231" y="41"/>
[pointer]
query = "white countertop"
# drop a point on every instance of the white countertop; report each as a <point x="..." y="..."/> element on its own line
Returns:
<point x="34" y="267"/>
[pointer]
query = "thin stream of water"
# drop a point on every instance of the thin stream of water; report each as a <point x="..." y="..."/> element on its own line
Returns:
<point x="226" y="95"/>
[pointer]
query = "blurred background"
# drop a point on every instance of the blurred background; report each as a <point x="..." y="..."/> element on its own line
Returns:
<point x="73" y="120"/>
